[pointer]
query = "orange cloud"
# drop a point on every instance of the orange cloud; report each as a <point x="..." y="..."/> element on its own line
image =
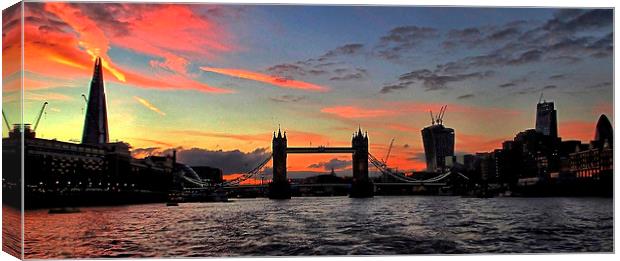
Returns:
<point x="61" y="40"/>
<point x="357" y="112"/>
<point x="157" y="30"/>
<point x="296" y="138"/>
<point x="149" y="105"/>
<point x="270" y="79"/>
<point x="91" y="38"/>
<point x="11" y="41"/>
<point x="383" y="109"/>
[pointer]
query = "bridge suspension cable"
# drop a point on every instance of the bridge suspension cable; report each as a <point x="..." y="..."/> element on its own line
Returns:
<point x="201" y="184"/>
<point x="388" y="172"/>
<point x="248" y="174"/>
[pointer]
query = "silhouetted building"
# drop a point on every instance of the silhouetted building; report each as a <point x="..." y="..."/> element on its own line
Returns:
<point x="279" y="145"/>
<point x="208" y="174"/>
<point x="438" y="144"/>
<point x="96" y="121"/>
<point x="361" y="186"/>
<point x="546" y="119"/>
<point x="591" y="163"/>
<point x="597" y="160"/>
<point x="469" y="162"/>
<point x="604" y="132"/>
<point x="280" y="187"/>
<point x="92" y="172"/>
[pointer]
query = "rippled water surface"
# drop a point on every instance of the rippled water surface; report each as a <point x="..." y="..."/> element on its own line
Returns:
<point x="326" y="226"/>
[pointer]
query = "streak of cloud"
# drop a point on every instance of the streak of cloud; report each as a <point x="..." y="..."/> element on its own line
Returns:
<point x="149" y="105"/>
<point x="270" y="79"/>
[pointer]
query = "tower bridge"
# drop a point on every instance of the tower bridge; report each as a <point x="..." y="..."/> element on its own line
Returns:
<point x="280" y="188"/>
<point x="360" y="187"/>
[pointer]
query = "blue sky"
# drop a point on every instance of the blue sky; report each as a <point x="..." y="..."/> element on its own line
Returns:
<point x="223" y="77"/>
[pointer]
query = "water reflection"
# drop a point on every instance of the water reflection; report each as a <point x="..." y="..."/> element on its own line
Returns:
<point x="326" y="226"/>
<point x="11" y="232"/>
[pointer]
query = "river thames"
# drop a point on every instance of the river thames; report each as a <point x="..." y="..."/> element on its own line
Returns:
<point x="326" y="226"/>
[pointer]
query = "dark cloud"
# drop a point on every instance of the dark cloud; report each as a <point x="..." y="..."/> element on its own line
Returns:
<point x="466" y="96"/>
<point x="325" y="65"/>
<point x="286" y="70"/>
<point x="464" y="36"/>
<point x="581" y="46"/>
<point x="549" y="87"/>
<point x="107" y="16"/>
<point x="223" y="13"/>
<point x="603" y="46"/>
<point x="526" y="57"/>
<point x="400" y="40"/>
<point x="331" y="164"/>
<point x="434" y="81"/>
<point x="419" y="156"/>
<point x="557" y="77"/>
<point x="47" y="22"/>
<point x="562" y="39"/>
<point x="395" y="87"/>
<point x="146" y="151"/>
<point x="347" y="49"/>
<point x="565" y="59"/>
<point x="406" y="146"/>
<point x="287" y="98"/>
<point x="347" y="74"/>
<point x="506" y="85"/>
<point x="527" y="90"/>
<point x="473" y="37"/>
<point x="504" y="34"/>
<point x="234" y="161"/>
<point x="600" y="85"/>
<point x="495" y="59"/>
<point x="513" y="83"/>
<point x="571" y="21"/>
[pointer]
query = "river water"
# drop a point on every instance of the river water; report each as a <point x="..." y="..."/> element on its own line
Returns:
<point x="326" y="226"/>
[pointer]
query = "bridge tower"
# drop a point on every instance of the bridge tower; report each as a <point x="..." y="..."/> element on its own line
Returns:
<point x="361" y="187"/>
<point x="279" y="188"/>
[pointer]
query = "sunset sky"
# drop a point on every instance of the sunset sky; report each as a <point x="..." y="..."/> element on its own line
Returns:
<point x="215" y="81"/>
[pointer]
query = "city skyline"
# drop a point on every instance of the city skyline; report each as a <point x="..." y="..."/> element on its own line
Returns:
<point x="229" y="90"/>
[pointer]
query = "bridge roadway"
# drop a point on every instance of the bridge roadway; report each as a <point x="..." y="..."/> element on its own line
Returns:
<point x="337" y="185"/>
<point x="298" y="150"/>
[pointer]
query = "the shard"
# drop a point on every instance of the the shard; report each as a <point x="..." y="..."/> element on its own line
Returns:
<point x="96" y="121"/>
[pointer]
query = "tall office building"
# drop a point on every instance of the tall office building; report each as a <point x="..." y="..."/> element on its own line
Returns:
<point x="546" y="119"/>
<point x="604" y="132"/>
<point x="96" y="121"/>
<point x="438" y="144"/>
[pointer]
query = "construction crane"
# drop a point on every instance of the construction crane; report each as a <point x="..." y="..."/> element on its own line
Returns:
<point x="6" y="121"/>
<point x="85" y="102"/>
<point x="541" y="96"/>
<point x="387" y="155"/>
<point x="441" y="113"/>
<point x="36" y="124"/>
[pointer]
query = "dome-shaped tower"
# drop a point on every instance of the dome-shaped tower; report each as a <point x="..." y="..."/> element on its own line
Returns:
<point x="604" y="131"/>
